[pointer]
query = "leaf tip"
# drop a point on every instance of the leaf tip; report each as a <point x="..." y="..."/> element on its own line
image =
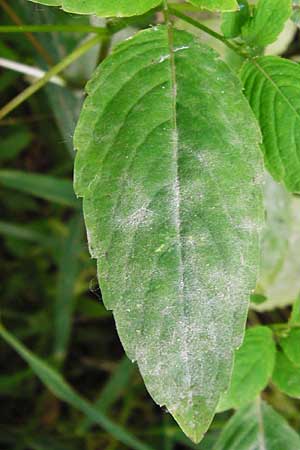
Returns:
<point x="194" y="418"/>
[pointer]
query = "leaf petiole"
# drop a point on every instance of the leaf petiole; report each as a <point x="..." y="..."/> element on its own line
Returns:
<point x="173" y="9"/>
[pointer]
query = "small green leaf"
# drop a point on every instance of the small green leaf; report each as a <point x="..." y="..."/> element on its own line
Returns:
<point x="272" y="86"/>
<point x="258" y="427"/>
<point x="286" y="375"/>
<point x="295" y="315"/>
<point x="267" y="22"/>
<point x="257" y="299"/>
<point x="251" y="372"/>
<point x="291" y="345"/>
<point x="167" y="147"/>
<point x="216" y="5"/>
<point x="233" y="21"/>
<point x="104" y="8"/>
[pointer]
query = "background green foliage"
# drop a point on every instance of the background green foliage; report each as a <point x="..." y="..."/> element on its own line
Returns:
<point x="75" y="389"/>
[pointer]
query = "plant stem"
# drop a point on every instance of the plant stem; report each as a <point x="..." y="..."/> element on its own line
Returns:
<point x="177" y="12"/>
<point x="19" y="99"/>
<point x="52" y="28"/>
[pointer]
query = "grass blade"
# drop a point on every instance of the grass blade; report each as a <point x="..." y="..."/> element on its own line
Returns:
<point x="112" y="390"/>
<point x="67" y="276"/>
<point x="61" y="389"/>
<point x="25" y="233"/>
<point x="41" y="186"/>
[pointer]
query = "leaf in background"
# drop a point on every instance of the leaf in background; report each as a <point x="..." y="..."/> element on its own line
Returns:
<point x="267" y="22"/>
<point x="11" y="145"/>
<point x="284" y="41"/>
<point x="258" y="427"/>
<point x="251" y="371"/>
<point x="277" y="230"/>
<point x="275" y="245"/>
<point x="48" y="2"/>
<point x="295" y="315"/>
<point x="68" y="271"/>
<point x="232" y="22"/>
<point x="169" y="167"/>
<point x="286" y="375"/>
<point x="7" y="77"/>
<point x="279" y="279"/>
<point x="61" y="389"/>
<point x="296" y="12"/>
<point x="216" y="5"/>
<point x="27" y="233"/>
<point x="105" y="8"/>
<point x="116" y="384"/>
<point x="64" y="101"/>
<point x="44" y="442"/>
<point x="42" y="186"/>
<point x="9" y="383"/>
<point x="272" y="86"/>
<point x="291" y="345"/>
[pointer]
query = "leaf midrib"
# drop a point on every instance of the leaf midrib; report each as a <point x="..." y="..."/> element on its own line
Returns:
<point x="261" y="431"/>
<point x="176" y="185"/>
<point x="277" y="88"/>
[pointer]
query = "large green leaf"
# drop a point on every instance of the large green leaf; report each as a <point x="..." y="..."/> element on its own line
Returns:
<point x="267" y="22"/>
<point x="258" y="427"/>
<point x="104" y="8"/>
<point x="286" y="375"/>
<point x="251" y="372"/>
<point x="272" y="86"/>
<point x="216" y="5"/>
<point x="169" y="167"/>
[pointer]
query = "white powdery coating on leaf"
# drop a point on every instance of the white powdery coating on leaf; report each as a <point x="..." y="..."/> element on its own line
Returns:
<point x="172" y="215"/>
